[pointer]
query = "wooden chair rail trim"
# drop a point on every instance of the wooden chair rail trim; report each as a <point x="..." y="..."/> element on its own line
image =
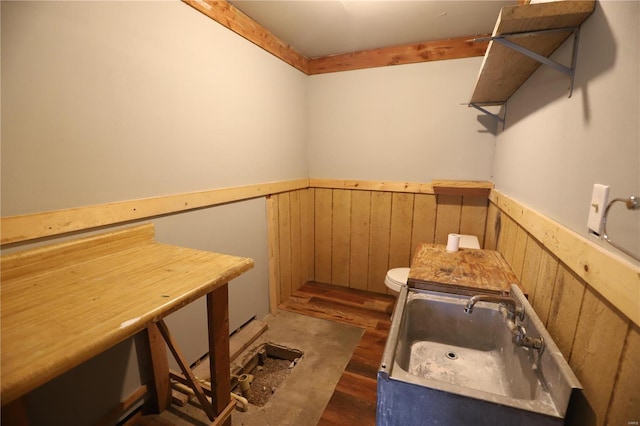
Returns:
<point x="372" y="185"/>
<point x="445" y="187"/>
<point x="20" y="228"/>
<point x="615" y="278"/>
<point x="46" y="224"/>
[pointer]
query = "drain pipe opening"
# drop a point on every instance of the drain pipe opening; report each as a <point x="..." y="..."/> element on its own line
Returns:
<point x="244" y="381"/>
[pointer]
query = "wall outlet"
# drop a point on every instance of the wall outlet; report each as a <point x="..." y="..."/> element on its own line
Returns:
<point x="599" y="200"/>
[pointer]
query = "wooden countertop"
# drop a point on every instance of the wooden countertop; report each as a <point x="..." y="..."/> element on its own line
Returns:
<point x="65" y="303"/>
<point x="467" y="271"/>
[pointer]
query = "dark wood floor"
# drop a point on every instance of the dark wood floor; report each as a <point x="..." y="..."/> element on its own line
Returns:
<point x="354" y="399"/>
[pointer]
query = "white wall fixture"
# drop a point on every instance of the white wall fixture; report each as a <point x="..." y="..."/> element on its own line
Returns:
<point x="599" y="199"/>
<point x="632" y="203"/>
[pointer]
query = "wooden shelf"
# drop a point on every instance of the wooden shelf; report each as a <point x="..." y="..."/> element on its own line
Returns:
<point x="504" y="69"/>
<point x="462" y="187"/>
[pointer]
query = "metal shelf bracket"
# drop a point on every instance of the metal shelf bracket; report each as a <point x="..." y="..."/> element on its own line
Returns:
<point x="498" y="117"/>
<point x="568" y="71"/>
<point x="506" y="40"/>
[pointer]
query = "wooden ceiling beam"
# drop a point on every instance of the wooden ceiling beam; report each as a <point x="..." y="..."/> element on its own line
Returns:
<point x="454" y="48"/>
<point x="230" y="17"/>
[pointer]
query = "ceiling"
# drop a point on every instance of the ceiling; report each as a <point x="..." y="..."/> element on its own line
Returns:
<point x="318" y="28"/>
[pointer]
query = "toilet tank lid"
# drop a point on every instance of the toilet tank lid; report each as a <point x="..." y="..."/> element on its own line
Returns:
<point x="469" y="241"/>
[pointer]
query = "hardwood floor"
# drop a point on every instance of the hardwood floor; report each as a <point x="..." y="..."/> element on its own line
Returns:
<point x="354" y="399"/>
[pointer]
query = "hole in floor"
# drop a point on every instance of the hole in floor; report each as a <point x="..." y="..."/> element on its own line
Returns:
<point x="451" y="355"/>
<point x="264" y="371"/>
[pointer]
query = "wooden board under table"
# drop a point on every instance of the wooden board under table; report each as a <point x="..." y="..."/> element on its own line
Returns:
<point x="467" y="271"/>
<point x="65" y="303"/>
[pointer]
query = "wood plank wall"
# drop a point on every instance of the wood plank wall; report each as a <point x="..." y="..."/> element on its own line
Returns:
<point x="600" y="343"/>
<point x="351" y="237"/>
<point x="291" y="231"/>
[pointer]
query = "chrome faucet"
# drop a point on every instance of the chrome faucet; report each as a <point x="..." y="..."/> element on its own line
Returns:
<point x="514" y="317"/>
<point x="520" y="338"/>
<point x="514" y="311"/>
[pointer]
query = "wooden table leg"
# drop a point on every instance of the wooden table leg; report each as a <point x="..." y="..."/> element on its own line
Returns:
<point x="219" y="363"/>
<point x="186" y="370"/>
<point x="154" y="368"/>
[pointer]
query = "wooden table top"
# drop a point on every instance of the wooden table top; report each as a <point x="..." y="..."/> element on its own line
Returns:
<point x="63" y="304"/>
<point x="467" y="271"/>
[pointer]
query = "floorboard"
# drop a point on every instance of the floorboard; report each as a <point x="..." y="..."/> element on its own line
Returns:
<point x="354" y="399"/>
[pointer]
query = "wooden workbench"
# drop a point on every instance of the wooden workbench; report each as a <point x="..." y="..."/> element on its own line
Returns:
<point x="467" y="271"/>
<point x="65" y="303"/>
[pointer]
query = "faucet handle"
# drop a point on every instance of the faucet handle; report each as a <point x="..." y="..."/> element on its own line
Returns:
<point x="520" y="338"/>
<point x="519" y="313"/>
<point x="519" y="333"/>
<point x="514" y="312"/>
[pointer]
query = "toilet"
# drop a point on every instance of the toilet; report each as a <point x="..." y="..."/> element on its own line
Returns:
<point x="397" y="277"/>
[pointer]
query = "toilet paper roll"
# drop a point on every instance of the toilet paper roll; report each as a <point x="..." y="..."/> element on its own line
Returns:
<point x="453" y="242"/>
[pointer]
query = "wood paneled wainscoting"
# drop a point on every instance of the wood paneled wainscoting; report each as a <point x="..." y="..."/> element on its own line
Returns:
<point x="601" y="343"/>
<point x="350" y="233"/>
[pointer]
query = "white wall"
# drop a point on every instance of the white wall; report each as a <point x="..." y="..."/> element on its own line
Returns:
<point x="239" y="229"/>
<point x="554" y="148"/>
<point x="110" y="101"/>
<point x="399" y="123"/>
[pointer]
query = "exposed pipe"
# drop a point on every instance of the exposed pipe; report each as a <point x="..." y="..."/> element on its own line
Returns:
<point x="244" y="381"/>
<point x="240" y="399"/>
